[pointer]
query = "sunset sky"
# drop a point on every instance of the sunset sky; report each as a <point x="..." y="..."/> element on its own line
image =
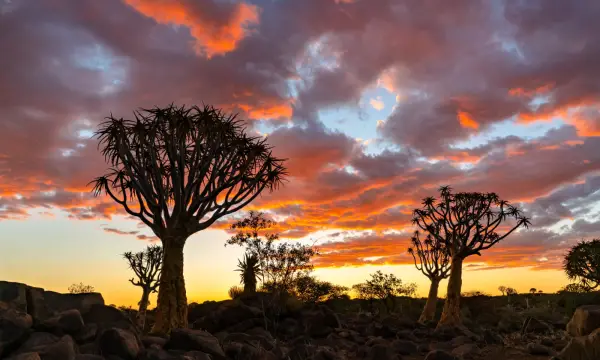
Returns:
<point x="376" y="103"/>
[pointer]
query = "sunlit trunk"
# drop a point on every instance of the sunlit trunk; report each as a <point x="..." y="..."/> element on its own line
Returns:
<point x="141" y="315"/>
<point x="171" y="310"/>
<point x="451" y="311"/>
<point x="428" y="313"/>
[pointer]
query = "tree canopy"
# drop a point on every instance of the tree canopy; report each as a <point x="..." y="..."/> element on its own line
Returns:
<point x="582" y="264"/>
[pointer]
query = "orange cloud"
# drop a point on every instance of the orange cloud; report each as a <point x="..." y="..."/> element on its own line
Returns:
<point x="466" y="120"/>
<point x="214" y="36"/>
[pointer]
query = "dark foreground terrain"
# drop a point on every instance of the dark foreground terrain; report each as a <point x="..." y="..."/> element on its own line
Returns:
<point x="37" y="324"/>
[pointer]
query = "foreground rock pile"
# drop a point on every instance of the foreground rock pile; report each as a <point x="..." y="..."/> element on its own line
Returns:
<point x="37" y="324"/>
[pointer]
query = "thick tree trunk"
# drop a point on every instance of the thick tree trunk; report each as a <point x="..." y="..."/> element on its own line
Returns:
<point x="451" y="311"/>
<point x="428" y="313"/>
<point x="141" y="315"/>
<point x="171" y="310"/>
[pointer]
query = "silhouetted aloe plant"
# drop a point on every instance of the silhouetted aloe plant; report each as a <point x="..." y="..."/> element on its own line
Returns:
<point x="432" y="258"/>
<point x="180" y="169"/>
<point x="466" y="223"/>
<point x="249" y="269"/>
<point x="146" y="265"/>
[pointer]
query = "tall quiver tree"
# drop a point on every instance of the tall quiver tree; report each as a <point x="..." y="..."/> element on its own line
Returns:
<point x="146" y="265"/>
<point x="466" y="223"/>
<point x="179" y="170"/>
<point x="432" y="258"/>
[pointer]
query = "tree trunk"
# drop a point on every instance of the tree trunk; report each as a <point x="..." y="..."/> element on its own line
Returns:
<point x="428" y="313"/>
<point x="451" y="311"/>
<point x="171" y="309"/>
<point x="141" y="315"/>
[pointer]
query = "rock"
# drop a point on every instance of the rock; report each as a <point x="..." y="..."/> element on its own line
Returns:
<point x="197" y="355"/>
<point x="492" y="338"/>
<point x="67" y="322"/>
<point x="89" y="357"/>
<point x="89" y="348"/>
<point x="14" y="327"/>
<point x="26" y="356"/>
<point x="539" y="349"/>
<point x="585" y="320"/>
<point x="460" y="340"/>
<point x="148" y="341"/>
<point x="119" y="342"/>
<point x="320" y="322"/>
<point x="188" y="339"/>
<point x="64" y="349"/>
<point x="439" y="355"/>
<point x="86" y="334"/>
<point x="247" y="352"/>
<point x="301" y="352"/>
<point x="228" y="314"/>
<point x="582" y="348"/>
<point x="106" y="317"/>
<point x="381" y="352"/>
<point x="404" y="347"/>
<point x="36" y="342"/>
<point x="466" y="351"/>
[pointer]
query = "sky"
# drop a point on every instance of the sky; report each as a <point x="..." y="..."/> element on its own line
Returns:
<point x="375" y="104"/>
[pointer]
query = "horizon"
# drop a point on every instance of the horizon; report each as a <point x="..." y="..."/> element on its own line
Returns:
<point x="374" y="105"/>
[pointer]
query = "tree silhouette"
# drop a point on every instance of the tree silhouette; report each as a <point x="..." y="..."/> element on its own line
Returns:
<point x="81" y="288"/>
<point x="280" y="265"/>
<point x="582" y="264"/>
<point x="179" y="170"/>
<point x="467" y="224"/>
<point x="249" y="269"/>
<point x="533" y="291"/>
<point x="311" y="290"/>
<point x="384" y="287"/>
<point x="146" y="265"/>
<point x="574" y="288"/>
<point x="432" y="258"/>
<point x="502" y="289"/>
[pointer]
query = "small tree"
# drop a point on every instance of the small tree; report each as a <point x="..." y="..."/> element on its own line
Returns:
<point x="311" y="290"/>
<point x="179" y="170"/>
<point x="249" y="269"/>
<point x="510" y="292"/>
<point x="279" y="264"/>
<point x="574" y="288"/>
<point x="533" y="291"/>
<point x="81" y="288"/>
<point x="146" y="266"/>
<point x="433" y="259"/>
<point x="467" y="224"/>
<point x="385" y="288"/>
<point x="502" y="289"/>
<point x="582" y="264"/>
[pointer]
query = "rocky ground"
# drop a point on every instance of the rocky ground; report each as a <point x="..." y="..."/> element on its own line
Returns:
<point x="37" y="324"/>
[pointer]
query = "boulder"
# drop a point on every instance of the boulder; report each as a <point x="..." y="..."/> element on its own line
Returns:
<point x="26" y="356"/>
<point x="89" y="357"/>
<point x="188" y="340"/>
<point x="63" y="349"/>
<point x="439" y="355"/>
<point x="36" y="342"/>
<point x="67" y="322"/>
<point x="584" y="321"/>
<point x="582" y="348"/>
<point x="119" y="342"/>
<point x="106" y="317"/>
<point x="41" y="304"/>
<point x="539" y="349"/>
<point x="14" y="327"/>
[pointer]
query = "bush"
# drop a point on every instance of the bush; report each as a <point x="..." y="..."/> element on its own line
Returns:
<point x="235" y="292"/>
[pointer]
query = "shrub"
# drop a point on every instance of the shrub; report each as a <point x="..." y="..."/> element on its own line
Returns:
<point x="235" y="292"/>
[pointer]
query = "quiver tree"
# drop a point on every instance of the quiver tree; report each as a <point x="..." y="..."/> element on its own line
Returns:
<point x="179" y="170"/>
<point x="432" y="258"/>
<point x="582" y="264"/>
<point x="467" y="223"/>
<point x="249" y="269"/>
<point x="146" y="266"/>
